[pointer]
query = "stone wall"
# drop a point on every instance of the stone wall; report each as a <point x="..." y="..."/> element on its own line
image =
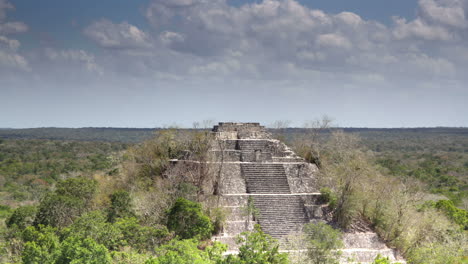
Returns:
<point x="301" y="177"/>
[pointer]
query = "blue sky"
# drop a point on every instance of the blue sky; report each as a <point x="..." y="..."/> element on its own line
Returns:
<point x="149" y="63"/>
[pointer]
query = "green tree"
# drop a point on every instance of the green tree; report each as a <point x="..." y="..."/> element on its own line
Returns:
<point x="142" y="238"/>
<point x="41" y="244"/>
<point x="121" y="206"/>
<point x="323" y="243"/>
<point x="257" y="247"/>
<point x="187" y="252"/>
<point x="94" y="225"/>
<point x="22" y="217"/>
<point x="75" y="250"/>
<point x="187" y="220"/>
<point x="71" y="198"/>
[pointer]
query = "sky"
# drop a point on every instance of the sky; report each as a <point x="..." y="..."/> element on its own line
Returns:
<point x="155" y="63"/>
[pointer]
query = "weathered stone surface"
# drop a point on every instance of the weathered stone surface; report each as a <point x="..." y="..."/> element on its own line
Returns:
<point x="280" y="185"/>
<point x="301" y="177"/>
<point x="232" y="180"/>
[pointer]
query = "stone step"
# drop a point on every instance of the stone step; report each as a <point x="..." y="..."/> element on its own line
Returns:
<point x="363" y="240"/>
<point x="280" y="215"/>
<point x="351" y="255"/>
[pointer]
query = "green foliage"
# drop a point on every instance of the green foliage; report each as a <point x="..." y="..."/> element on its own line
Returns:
<point x="457" y="215"/>
<point x="71" y="198"/>
<point x="94" y="225"/>
<point x="218" y="217"/>
<point x="40" y="244"/>
<point x="5" y="211"/>
<point x="142" y="238"/>
<point x="30" y="167"/>
<point x="381" y="260"/>
<point x="152" y="156"/>
<point x="80" y="188"/>
<point x="121" y="206"/>
<point x="75" y="250"/>
<point x="22" y="217"/>
<point x="323" y="243"/>
<point x="327" y="196"/>
<point x="120" y="257"/>
<point x="257" y="247"/>
<point x="187" y="220"/>
<point x="187" y="252"/>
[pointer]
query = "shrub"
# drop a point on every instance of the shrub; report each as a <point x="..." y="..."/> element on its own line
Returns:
<point x="187" y="220"/>
<point x="22" y="217"/>
<point x="322" y="243"/>
<point x="121" y="206"/>
<point x="257" y="247"/>
<point x="75" y="250"/>
<point x="142" y="238"/>
<point x="71" y="198"/>
<point x="457" y="215"/>
<point x="94" y="225"/>
<point x="327" y="196"/>
<point x="187" y="252"/>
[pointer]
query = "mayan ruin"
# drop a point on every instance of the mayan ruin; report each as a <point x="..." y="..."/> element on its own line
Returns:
<point x="260" y="172"/>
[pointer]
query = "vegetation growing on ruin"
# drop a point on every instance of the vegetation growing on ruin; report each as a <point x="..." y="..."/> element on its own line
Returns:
<point x="102" y="202"/>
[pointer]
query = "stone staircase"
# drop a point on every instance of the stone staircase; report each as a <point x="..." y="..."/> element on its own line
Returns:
<point x="279" y="215"/>
<point x="283" y="189"/>
<point x="265" y="178"/>
<point x="253" y="145"/>
<point x="364" y="247"/>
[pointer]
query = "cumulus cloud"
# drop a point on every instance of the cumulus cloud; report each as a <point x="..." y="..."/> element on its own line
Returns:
<point x="9" y="56"/>
<point x="118" y="36"/>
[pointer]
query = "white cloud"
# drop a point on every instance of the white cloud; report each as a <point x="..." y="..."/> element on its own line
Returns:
<point x="119" y="36"/>
<point x="81" y="57"/>
<point x="4" y="6"/>
<point x="13" y="61"/>
<point x="334" y="41"/>
<point x="448" y="12"/>
<point x="10" y="59"/>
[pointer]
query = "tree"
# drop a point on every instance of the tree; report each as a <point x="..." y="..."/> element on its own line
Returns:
<point x="94" y="225"/>
<point x="142" y="238"/>
<point x="75" y="250"/>
<point x="121" y="206"/>
<point x="71" y="198"/>
<point x="22" y="217"/>
<point x="41" y="244"/>
<point x="187" y="220"/>
<point x="257" y="247"/>
<point x="187" y="252"/>
<point x="323" y="243"/>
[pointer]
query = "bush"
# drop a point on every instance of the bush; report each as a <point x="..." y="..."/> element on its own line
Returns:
<point x="121" y="206"/>
<point x="22" y="217"/>
<point x="187" y="220"/>
<point x="58" y="210"/>
<point x="187" y="252"/>
<point x="257" y="247"/>
<point x="40" y="244"/>
<point x="75" y="250"/>
<point x="457" y="215"/>
<point x="327" y="196"/>
<point x="142" y="238"/>
<point x="71" y="198"/>
<point x="94" y="225"/>
<point x="322" y="243"/>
